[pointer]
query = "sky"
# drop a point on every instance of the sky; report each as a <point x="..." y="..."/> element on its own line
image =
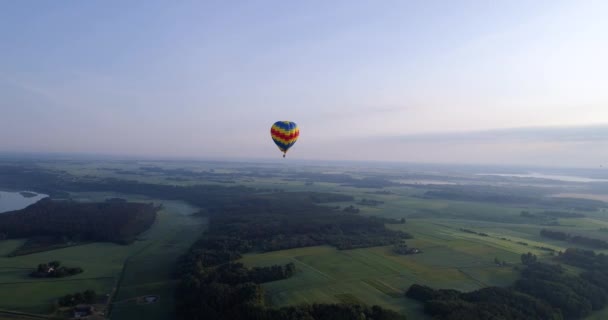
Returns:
<point x="504" y="82"/>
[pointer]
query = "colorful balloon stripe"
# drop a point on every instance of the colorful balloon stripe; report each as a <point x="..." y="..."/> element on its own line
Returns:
<point x="284" y="134"/>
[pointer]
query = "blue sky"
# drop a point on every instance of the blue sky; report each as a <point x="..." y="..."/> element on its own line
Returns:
<point x="430" y="81"/>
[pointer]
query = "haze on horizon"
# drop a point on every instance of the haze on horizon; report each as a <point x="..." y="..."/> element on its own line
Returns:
<point x="509" y="82"/>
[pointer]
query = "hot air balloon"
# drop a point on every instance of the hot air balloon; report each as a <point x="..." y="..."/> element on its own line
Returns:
<point x="284" y="134"/>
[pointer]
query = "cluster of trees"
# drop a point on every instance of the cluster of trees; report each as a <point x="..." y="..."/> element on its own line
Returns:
<point x="582" y="240"/>
<point x="474" y="232"/>
<point x="214" y="286"/>
<point x="402" y="248"/>
<point x="325" y="312"/>
<point x="396" y="221"/>
<point x="586" y="259"/>
<point x="500" y="263"/>
<point x="179" y="173"/>
<point x="70" y="300"/>
<point x="212" y="289"/>
<point x="487" y="303"/>
<point x="241" y="219"/>
<point x="275" y="222"/>
<point x="562" y="214"/>
<point x="235" y="273"/>
<point x="28" y="177"/>
<point x="351" y="209"/>
<point x="544" y="291"/>
<point x="110" y="221"/>
<point x="372" y="181"/>
<point x="272" y="222"/>
<point x="523" y="196"/>
<point x="370" y="202"/>
<point x="552" y="214"/>
<point x="54" y="269"/>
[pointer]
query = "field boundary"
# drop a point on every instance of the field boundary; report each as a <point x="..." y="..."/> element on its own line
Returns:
<point x="50" y="281"/>
<point x="23" y="314"/>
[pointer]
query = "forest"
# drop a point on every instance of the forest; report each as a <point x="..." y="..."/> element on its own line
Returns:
<point x="521" y="195"/>
<point x="118" y="222"/>
<point x="544" y="291"/>
<point x="85" y="297"/>
<point x="576" y="239"/>
<point x="214" y="286"/>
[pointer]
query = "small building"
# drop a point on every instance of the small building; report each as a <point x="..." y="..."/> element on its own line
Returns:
<point x="83" y="310"/>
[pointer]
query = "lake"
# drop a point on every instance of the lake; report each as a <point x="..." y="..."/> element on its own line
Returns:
<point x="18" y="200"/>
<point x="545" y="176"/>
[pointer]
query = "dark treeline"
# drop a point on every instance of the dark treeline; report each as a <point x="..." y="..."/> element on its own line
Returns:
<point x="370" y="202"/>
<point x="28" y="177"/>
<point x="241" y="219"/>
<point x="277" y="222"/>
<point x="562" y="214"/>
<point x="474" y="232"/>
<point x="549" y="218"/>
<point x="544" y="291"/>
<point x="235" y="273"/>
<point x="582" y="240"/>
<point x="487" y="303"/>
<point x="70" y="300"/>
<point x="209" y="175"/>
<point x="54" y="269"/>
<point x="521" y="196"/>
<point x="214" y="286"/>
<point x="109" y="221"/>
<point x="402" y="248"/>
<point x="57" y="184"/>
<point x="373" y="182"/>
<point x="210" y="197"/>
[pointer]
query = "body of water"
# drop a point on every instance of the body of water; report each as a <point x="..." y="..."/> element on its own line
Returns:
<point x="546" y="176"/>
<point x="10" y="201"/>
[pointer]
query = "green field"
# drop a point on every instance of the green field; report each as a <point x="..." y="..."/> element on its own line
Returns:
<point x="147" y="270"/>
<point x="451" y="258"/>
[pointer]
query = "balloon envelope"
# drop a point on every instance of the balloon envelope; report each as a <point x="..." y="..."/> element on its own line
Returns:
<point x="284" y="134"/>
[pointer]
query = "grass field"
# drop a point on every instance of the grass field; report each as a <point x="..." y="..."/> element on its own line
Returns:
<point x="147" y="269"/>
<point x="451" y="259"/>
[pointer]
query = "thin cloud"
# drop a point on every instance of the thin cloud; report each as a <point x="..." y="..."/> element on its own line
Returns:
<point x="595" y="133"/>
<point x="359" y="112"/>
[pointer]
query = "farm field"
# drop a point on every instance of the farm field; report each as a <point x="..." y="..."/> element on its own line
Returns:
<point x="460" y="241"/>
<point x="451" y="259"/>
<point x="148" y="262"/>
<point x="149" y="271"/>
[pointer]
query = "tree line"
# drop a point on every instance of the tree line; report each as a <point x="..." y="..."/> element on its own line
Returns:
<point x="54" y="269"/>
<point x="85" y="297"/>
<point x="544" y="291"/>
<point x="214" y="286"/>
<point x="110" y="221"/>
<point x="577" y="239"/>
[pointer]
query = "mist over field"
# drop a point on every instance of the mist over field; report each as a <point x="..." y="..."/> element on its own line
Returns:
<point x="465" y="82"/>
<point x="304" y="160"/>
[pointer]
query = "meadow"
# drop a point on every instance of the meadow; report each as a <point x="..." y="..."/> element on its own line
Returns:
<point x="451" y="258"/>
<point x="124" y="272"/>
